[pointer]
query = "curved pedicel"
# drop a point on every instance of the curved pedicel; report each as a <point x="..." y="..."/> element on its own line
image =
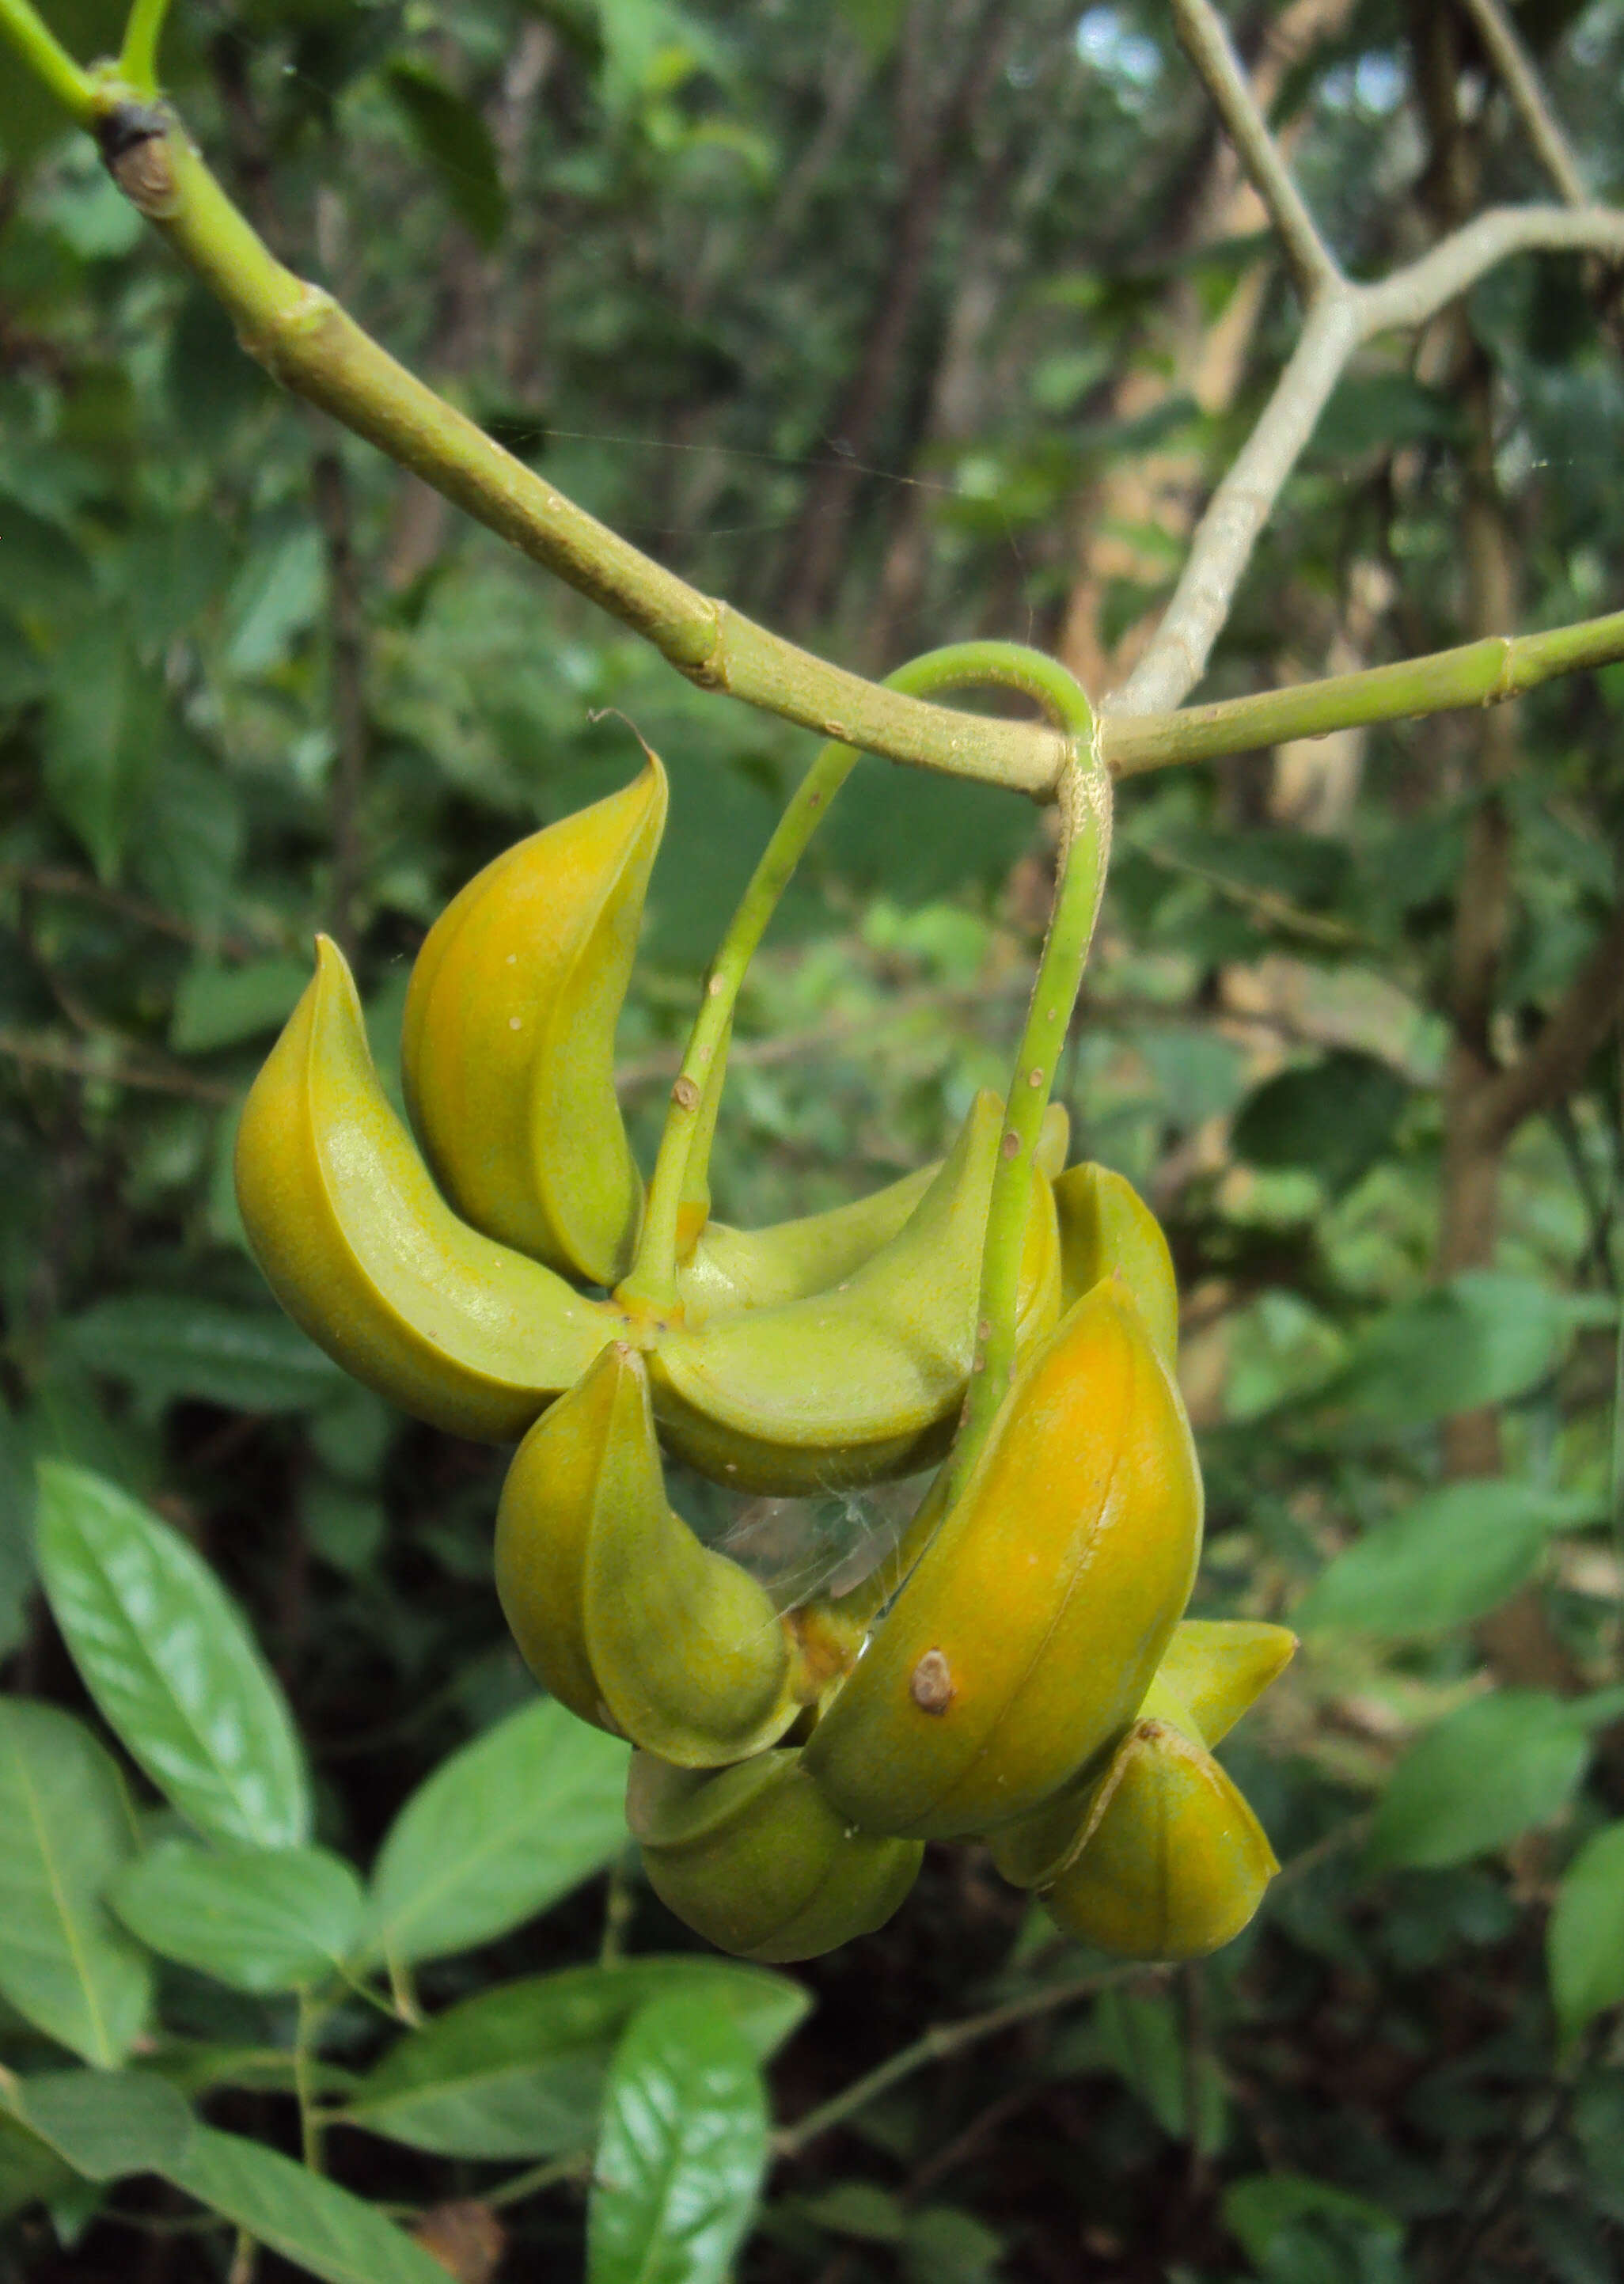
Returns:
<point x="846" y="1388"/>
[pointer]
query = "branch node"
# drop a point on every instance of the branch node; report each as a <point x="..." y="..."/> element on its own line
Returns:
<point x="133" y="142"/>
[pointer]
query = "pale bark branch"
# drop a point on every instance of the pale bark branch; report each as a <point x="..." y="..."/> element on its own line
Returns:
<point x="1341" y="319"/>
<point x="1205" y="41"/>
<point x="1521" y="83"/>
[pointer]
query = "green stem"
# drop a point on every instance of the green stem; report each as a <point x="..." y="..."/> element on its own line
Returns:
<point x="947" y="2039"/>
<point x="678" y="1171"/>
<point x="138" y="56"/>
<point x="1085" y="850"/>
<point x="48" y="60"/>
<point x="534" y="2178"/>
<point x="302" y="337"/>
<point x="310" y="2015"/>
<point x="1475" y="674"/>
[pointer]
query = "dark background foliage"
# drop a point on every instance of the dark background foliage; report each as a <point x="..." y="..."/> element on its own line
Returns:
<point x="893" y="325"/>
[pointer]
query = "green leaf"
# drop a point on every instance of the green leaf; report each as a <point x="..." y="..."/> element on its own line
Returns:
<point x="309" y="2221"/>
<point x="169" y="1345"/>
<point x="16" y="1532"/>
<point x="1456" y="1553"/>
<point x="107" y="722"/>
<point x="682" y="2151"/>
<point x="260" y="1919"/>
<point x="1478" y="1341"/>
<point x="1336" y="1117"/>
<point x="1140" y="2036"/>
<point x="220" y="1006"/>
<point x="499" y="1831"/>
<point x="518" y="2071"/>
<point x="187" y="837"/>
<point x="31" y="2172"/>
<point x="456" y="141"/>
<point x="878" y="25"/>
<point x="169" y="1661"/>
<point x="1584" y="1941"/>
<point x="105" y="2124"/>
<point x="65" y="1963"/>
<point x="945" y="2245"/>
<point x="274" y="599"/>
<point x="1485" y="1774"/>
<point x="1271" y="2214"/>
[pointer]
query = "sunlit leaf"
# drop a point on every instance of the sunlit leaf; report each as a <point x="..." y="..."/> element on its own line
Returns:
<point x="167" y="1659"/>
<point x="682" y="2149"/>
<point x="518" y="2071"/>
<point x="501" y="1830"/>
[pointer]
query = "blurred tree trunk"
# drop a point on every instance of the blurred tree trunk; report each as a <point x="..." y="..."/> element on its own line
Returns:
<point x="931" y="119"/>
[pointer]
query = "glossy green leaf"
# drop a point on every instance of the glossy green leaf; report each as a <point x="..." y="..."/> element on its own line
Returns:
<point x="1455" y="1553"/>
<point x="1485" y="1774"/>
<point x="501" y="1830"/>
<point x="168" y="1660"/>
<point x="105" y="2124"/>
<point x="1584" y="1941"/>
<point x="682" y="2149"/>
<point x="166" y="1345"/>
<point x="518" y="2071"/>
<point x="260" y="1919"/>
<point x="308" y="2220"/>
<point x="65" y="1963"/>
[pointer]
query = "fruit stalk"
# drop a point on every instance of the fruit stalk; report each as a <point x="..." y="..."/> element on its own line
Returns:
<point x="1085" y="850"/>
<point x="679" y="1171"/>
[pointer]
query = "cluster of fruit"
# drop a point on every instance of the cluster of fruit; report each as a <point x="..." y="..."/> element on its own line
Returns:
<point x="1014" y="1670"/>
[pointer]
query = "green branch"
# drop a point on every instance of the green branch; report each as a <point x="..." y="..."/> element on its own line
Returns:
<point x="138" y="56"/>
<point x="1476" y="673"/>
<point x="315" y="349"/>
<point x="48" y="60"/>
<point x="302" y="337"/>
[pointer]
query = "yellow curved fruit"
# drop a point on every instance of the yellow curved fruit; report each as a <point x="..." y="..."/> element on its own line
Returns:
<point x="1174" y="1862"/>
<point x="1025" y="1635"/>
<point x="729" y="1268"/>
<point x="1212" y="1669"/>
<point x="843" y="1388"/>
<point x="508" y="1043"/>
<point x="1105" y="1226"/>
<point x="754" y="1858"/>
<point x="362" y="1252"/>
<point x="618" y="1610"/>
